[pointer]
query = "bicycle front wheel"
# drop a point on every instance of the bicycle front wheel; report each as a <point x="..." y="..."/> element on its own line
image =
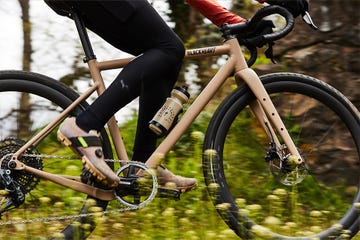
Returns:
<point x="28" y="102"/>
<point x="263" y="197"/>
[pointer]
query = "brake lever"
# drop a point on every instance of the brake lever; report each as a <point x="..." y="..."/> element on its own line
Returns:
<point x="308" y="20"/>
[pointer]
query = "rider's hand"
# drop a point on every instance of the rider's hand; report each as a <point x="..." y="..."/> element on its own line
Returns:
<point x="296" y="7"/>
<point x="254" y="37"/>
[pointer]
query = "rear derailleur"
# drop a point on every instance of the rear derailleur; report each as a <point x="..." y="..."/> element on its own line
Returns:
<point x="15" y="196"/>
<point x="16" y="183"/>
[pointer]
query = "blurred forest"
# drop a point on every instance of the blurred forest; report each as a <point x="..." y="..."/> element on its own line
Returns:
<point x="332" y="53"/>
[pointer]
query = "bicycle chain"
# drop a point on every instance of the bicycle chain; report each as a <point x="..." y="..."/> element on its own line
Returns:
<point x="68" y="217"/>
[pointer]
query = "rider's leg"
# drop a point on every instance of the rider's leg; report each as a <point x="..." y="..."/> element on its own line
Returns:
<point x="151" y="75"/>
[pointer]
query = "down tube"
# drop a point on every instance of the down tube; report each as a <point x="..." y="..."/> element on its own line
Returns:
<point x="192" y="112"/>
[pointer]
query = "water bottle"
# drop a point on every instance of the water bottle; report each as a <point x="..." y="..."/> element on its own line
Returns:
<point x="164" y="118"/>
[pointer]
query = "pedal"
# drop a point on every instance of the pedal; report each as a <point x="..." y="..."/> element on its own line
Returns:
<point x="168" y="193"/>
<point x="133" y="190"/>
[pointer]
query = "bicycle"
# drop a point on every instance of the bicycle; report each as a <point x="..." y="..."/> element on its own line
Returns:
<point x="303" y="134"/>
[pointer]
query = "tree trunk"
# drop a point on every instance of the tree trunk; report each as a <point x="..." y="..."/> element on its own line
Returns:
<point x="24" y="120"/>
<point x="185" y="18"/>
<point x="26" y="27"/>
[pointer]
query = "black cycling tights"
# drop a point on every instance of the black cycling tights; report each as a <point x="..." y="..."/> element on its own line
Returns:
<point x="134" y="27"/>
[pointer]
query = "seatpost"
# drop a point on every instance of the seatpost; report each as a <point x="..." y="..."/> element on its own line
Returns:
<point x="84" y="37"/>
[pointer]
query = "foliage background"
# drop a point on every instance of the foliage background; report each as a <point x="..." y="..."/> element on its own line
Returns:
<point x="331" y="54"/>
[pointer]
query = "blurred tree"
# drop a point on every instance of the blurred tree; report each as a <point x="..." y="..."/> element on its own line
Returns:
<point x="195" y="33"/>
<point x="332" y="53"/>
<point x="26" y="28"/>
<point x="24" y="119"/>
<point x="185" y="18"/>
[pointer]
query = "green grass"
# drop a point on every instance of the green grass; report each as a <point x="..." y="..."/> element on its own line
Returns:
<point x="193" y="217"/>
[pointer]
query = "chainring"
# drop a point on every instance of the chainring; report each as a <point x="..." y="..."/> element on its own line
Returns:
<point x="25" y="180"/>
<point x="136" y="189"/>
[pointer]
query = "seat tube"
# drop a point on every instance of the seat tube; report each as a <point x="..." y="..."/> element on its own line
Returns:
<point x="90" y="59"/>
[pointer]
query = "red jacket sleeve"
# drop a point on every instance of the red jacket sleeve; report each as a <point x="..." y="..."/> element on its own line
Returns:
<point x="215" y="12"/>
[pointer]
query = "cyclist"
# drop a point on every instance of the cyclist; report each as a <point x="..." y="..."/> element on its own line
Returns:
<point x="135" y="27"/>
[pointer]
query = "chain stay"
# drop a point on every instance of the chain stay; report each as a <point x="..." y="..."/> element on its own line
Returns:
<point x="68" y="217"/>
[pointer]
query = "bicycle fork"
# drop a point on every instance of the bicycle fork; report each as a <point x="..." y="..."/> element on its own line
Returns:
<point x="267" y="115"/>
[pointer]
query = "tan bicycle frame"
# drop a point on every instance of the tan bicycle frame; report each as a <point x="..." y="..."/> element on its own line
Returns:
<point x="236" y="65"/>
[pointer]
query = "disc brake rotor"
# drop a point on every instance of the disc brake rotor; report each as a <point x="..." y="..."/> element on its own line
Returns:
<point x="288" y="178"/>
<point x="284" y="171"/>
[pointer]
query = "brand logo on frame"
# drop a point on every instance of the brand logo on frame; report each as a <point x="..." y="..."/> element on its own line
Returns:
<point x="201" y="51"/>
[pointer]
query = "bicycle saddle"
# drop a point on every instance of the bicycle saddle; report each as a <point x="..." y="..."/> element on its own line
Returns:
<point x="61" y="7"/>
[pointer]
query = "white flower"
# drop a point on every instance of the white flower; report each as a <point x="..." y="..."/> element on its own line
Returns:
<point x="223" y="206"/>
<point x="315" y="214"/>
<point x="197" y="135"/>
<point x="271" y="220"/>
<point x="280" y="192"/>
<point x="210" y="153"/>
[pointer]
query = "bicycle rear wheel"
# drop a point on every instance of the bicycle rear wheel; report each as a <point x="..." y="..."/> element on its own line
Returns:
<point x="266" y="199"/>
<point x="29" y="101"/>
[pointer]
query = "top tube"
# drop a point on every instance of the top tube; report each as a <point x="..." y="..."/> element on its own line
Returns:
<point x="207" y="52"/>
<point x="195" y="53"/>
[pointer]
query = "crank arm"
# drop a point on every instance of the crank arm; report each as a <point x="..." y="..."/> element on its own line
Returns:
<point x="168" y="193"/>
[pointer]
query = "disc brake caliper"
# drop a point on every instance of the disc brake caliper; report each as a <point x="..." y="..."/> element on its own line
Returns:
<point x="283" y="167"/>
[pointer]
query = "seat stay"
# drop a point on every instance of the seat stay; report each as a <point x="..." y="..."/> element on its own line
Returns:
<point x="54" y="123"/>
